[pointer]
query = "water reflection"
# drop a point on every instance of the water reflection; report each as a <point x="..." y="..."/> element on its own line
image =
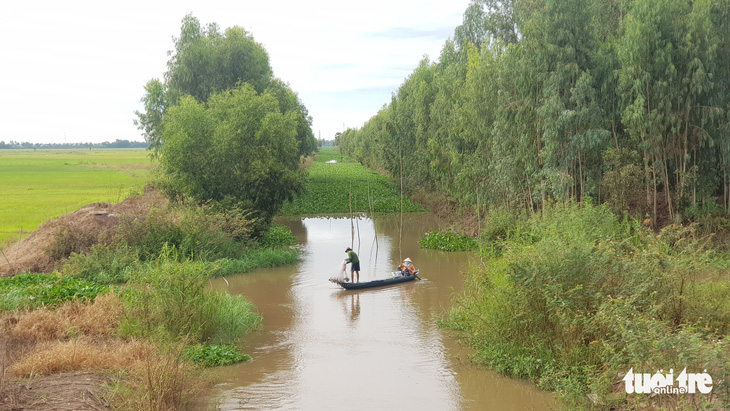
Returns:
<point x="323" y="347"/>
<point x="350" y="303"/>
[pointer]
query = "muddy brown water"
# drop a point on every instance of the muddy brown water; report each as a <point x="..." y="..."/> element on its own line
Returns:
<point x="325" y="348"/>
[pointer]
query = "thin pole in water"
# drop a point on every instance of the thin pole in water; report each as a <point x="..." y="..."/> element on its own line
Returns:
<point x="400" y="229"/>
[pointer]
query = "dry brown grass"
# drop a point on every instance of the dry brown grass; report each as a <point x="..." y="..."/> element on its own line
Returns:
<point x="163" y="381"/>
<point x="74" y="318"/>
<point x="74" y="337"/>
<point x="81" y="354"/>
<point x="77" y="339"/>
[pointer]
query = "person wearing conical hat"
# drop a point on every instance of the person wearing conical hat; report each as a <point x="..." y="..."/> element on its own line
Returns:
<point x="407" y="267"/>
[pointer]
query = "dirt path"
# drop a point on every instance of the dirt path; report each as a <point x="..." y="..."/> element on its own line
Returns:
<point x="73" y="391"/>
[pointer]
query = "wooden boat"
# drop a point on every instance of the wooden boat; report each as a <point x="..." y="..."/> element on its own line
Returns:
<point x="397" y="278"/>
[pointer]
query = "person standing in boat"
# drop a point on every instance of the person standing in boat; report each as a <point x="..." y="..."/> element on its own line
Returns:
<point x="355" y="267"/>
<point x="407" y="267"/>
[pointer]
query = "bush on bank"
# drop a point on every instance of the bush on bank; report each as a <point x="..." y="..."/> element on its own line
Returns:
<point x="172" y="299"/>
<point x="574" y="297"/>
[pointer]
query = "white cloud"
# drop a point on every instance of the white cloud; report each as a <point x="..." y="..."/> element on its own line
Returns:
<point x="77" y="68"/>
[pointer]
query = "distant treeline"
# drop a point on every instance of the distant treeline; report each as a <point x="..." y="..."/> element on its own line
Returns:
<point x="626" y="102"/>
<point x="114" y="144"/>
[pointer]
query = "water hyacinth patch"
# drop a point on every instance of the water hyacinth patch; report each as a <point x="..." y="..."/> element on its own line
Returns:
<point x="334" y="187"/>
<point x="447" y="241"/>
<point x="213" y="355"/>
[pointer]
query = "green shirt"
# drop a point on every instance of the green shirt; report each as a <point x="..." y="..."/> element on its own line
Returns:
<point x="352" y="257"/>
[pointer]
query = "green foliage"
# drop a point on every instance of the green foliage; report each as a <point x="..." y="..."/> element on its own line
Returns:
<point x="105" y="264"/>
<point x="238" y="149"/>
<point x="206" y="63"/>
<point x="558" y="100"/>
<point x="577" y="296"/>
<point x="447" y="241"/>
<point x="278" y="235"/>
<point x="255" y="258"/>
<point x="196" y="231"/>
<point x="289" y="103"/>
<point x="172" y="298"/>
<point x="213" y="355"/>
<point x="329" y="185"/>
<point x="36" y="290"/>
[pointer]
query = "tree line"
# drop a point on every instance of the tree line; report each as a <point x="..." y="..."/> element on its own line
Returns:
<point x="12" y="144"/>
<point x="623" y="101"/>
<point x="222" y="126"/>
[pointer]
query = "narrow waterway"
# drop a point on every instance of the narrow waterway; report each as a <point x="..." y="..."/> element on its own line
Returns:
<point x="325" y="348"/>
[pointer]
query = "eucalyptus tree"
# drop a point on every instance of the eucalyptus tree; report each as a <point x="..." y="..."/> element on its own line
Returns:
<point x="720" y="16"/>
<point x="570" y="119"/>
<point x="560" y="99"/>
<point x="495" y="20"/>
<point x="667" y="56"/>
<point x="150" y="121"/>
<point x="473" y="119"/>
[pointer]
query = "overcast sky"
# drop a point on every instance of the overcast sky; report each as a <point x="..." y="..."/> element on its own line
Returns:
<point x="74" y="71"/>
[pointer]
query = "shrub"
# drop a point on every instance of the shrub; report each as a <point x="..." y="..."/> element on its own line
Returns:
<point x="171" y="298"/>
<point x="105" y="264"/>
<point x="195" y="232"/>
<point x="500" y="223"/>
<point x="278" y="236"/>
<point x="580" y="296"/>
<point x="70" y="239"/>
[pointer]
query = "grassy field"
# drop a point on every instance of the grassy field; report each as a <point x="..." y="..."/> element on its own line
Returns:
<point x="328" y="190"/>
<point x="36" y="185"/>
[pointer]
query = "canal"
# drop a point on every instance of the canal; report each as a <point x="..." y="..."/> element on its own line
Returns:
<point x="322" y="347"/>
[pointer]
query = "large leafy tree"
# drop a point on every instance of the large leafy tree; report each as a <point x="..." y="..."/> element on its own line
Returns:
<point x="223" y="127"/>
<point x="206" y="61"/>
<point x="289" y="103"/>
<point x="239" y="148"/>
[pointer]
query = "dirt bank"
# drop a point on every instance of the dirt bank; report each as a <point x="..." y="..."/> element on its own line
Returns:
<point x="94" y="223"/>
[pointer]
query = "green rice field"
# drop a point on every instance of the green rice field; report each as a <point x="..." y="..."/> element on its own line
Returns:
<point x="36" y="185"/>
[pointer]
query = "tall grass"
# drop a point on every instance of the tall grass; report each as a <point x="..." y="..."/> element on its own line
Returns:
<point x="576" y="296"/>
<point x="171" y="299"/>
